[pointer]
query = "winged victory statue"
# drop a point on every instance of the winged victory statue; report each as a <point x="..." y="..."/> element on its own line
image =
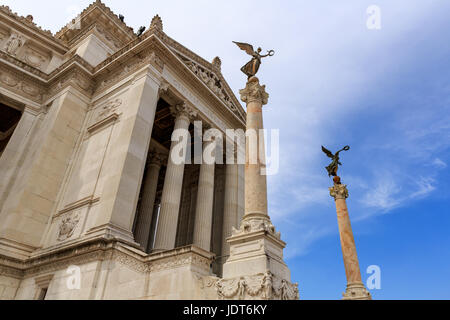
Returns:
<point x="334" y="166"/>
<point x="252" y="67"/>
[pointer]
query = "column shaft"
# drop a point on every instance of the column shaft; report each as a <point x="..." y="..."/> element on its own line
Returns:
<point x="204" y="209"/>
<point x="355" y="288"/>
<point x="144" y="222"/>
<point x="231" y="206"/>
<point x="173" y="183"/>
<point x="351" y="263"/>
<point x="255" y="182"/>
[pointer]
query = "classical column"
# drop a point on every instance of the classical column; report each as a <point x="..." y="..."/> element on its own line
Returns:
<point x="205" y="202"/>
<point x="355" y="287"/>
<point x="151" y="239"/>
<point x="230" y="212"/>
<point x="148" y="194"/>
<point x="256" y="248"/>
<point x="255" y="183"/>
<point x="173" y="183"/>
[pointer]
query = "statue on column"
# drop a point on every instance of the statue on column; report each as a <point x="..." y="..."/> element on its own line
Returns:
<point x="334" y="166"/>
<point x="252" y="67"/>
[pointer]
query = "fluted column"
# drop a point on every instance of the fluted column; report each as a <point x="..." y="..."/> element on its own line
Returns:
<point x="173" y="183"/>
<point x="205" y="202"/>
<point x="146" y="208"/>
<point x="151" y="239"/>
<point x="355" y="287"/>
<point x="231" y="206"/>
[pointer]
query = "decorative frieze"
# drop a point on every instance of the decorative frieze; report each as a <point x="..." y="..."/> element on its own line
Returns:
<point x="21" y="85"/>
<point x="177" y="261"/>
<point x="131" y="262"/>
<point x="256" y="287"/>
<point x="213" y="82"/>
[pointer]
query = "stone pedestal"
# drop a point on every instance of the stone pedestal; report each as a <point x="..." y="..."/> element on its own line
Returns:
<point x="355" y="287"/>
<point x="255" y="268"/>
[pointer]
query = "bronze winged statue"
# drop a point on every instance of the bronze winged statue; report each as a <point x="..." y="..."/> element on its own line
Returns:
<point x="334" y="166"/>
<point x="252" y="67"/>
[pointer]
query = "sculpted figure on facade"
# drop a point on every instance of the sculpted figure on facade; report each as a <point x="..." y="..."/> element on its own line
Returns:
<point x="267" y="285"/>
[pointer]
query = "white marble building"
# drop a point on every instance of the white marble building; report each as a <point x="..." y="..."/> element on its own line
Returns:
<point x="86" y="118"/>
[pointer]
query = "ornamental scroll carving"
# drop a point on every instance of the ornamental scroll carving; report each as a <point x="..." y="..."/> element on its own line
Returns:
<point x="258" y="287"/>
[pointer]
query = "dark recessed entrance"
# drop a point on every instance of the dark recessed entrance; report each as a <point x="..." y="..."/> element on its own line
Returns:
<point x="9" y="118"/>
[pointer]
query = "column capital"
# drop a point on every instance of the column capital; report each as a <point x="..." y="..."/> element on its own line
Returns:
<point x="339" y="191"/>
<point x="164" y="87"/>
<point x="254" y="92"/>
<point x="183" y="110"/>
<point x="156" y="158"/>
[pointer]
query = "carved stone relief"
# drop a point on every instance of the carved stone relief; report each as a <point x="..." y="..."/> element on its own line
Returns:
<point x="67" y="227"/>
<point x="257" y="287"/>
<point x="14" y="83"/>
<point x="35" y="58"/>
<point x="15" y="42"/>
<point x="109" y="108"/>
<point x="213" y="82"/>
<point x="255" y="225"/>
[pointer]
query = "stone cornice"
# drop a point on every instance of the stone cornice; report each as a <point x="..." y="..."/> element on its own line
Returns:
<point x="103" y="249"/>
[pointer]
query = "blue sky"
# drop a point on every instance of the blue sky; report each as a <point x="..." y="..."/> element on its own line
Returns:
<point x="386" y="93"/>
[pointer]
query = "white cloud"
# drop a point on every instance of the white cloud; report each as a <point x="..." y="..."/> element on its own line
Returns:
<point x="439" y="163"/>
<point x="383" y="197"/>
<point x="389" y="195"/>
